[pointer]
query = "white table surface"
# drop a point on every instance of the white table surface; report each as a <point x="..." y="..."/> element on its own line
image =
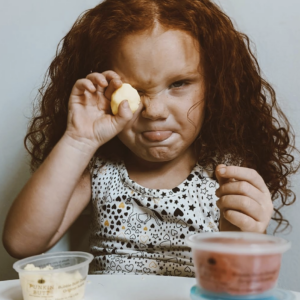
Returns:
<point x="128" y="287"/>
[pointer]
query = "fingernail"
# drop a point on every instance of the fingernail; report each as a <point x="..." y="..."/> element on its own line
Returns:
<point x="125" y="104"/>
<point x="222" y="170"/>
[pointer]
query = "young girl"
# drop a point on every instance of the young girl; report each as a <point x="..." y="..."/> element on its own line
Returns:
<point x="207" y="150"/>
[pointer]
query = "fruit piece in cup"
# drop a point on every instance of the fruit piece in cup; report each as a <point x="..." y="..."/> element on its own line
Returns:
<point x="32" y="267"/>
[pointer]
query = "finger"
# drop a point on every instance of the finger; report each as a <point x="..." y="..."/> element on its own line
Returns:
<point x="243" y="188"/>
<point x="99" y="81"/>
<point x="244" y="222"/>
<point x="113" y="85"/>
<point x="123" y="117"/>
<point x="221" y="180"/>
<point x="242" y="204"/>
<point x="82" y="85"/>
<point x="110" y="75"/>
<point x="243" y="174"/>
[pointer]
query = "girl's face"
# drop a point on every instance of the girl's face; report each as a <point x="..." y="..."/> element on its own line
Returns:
<point x="163" y="65"/>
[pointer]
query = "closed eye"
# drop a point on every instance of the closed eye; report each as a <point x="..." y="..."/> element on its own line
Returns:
<point x="178" y="84"/>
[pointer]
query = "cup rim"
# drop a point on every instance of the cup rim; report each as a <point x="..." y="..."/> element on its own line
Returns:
<point x="200" y="241"/>
<point x="63" y="254"/>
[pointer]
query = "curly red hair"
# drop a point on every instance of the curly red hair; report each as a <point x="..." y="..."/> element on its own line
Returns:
<point x="242" y="116"/>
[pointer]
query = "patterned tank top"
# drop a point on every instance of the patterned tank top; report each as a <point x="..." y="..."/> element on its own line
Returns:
<point x="137" y="230"/>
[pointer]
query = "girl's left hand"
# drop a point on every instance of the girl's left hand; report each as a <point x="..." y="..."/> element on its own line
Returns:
<point x="245" y="202"/>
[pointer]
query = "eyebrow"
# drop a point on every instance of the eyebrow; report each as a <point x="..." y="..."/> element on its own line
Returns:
<point x="178" y="76"/>
<point x="187" y="76"/>
<point x="191" y="76"/>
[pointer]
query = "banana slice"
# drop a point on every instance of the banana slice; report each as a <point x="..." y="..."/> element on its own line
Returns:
<point x="125" y="92"/>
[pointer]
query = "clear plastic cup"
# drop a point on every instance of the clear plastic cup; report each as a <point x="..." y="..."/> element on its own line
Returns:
<point x="65" y="282"/>
<point x="237" y="263"/>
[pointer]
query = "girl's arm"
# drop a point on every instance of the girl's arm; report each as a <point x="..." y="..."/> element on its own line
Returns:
<point x="60" y="189"/>
<point x="51" y="200"/>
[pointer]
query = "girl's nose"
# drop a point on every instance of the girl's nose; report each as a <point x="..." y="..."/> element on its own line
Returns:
<point x="154" y="108"/>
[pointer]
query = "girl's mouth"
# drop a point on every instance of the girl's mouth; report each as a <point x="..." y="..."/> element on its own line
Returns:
<point x="157" y="135"/>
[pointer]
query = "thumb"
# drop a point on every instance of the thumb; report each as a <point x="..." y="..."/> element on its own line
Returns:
<point x="124" y="114"/>
<point x="218" y="173"/>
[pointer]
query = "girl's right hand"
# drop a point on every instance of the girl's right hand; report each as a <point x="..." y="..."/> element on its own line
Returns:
<point x="90" y="120"/>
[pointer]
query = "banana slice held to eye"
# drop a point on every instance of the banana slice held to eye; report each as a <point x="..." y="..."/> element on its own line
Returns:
<point x="125" y="92"/>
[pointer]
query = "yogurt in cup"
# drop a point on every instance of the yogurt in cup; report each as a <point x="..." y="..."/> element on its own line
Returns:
<point x="237" y="263"/>
<point x="54" y="276"/>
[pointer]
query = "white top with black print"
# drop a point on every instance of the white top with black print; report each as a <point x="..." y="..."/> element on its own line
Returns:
<point x="136" y="230"/>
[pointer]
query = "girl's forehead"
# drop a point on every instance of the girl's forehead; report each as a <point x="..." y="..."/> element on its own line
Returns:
<point x="158" y="35"/>
<point x="159" y="52"/>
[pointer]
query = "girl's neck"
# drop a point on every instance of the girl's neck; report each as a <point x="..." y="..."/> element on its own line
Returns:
<point x="160" y="175"/>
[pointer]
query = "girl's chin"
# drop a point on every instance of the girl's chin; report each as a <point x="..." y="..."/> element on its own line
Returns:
<point x="156" y="154"/>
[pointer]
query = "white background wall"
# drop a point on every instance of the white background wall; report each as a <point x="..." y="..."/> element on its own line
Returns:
<point x="29" y="33"/>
